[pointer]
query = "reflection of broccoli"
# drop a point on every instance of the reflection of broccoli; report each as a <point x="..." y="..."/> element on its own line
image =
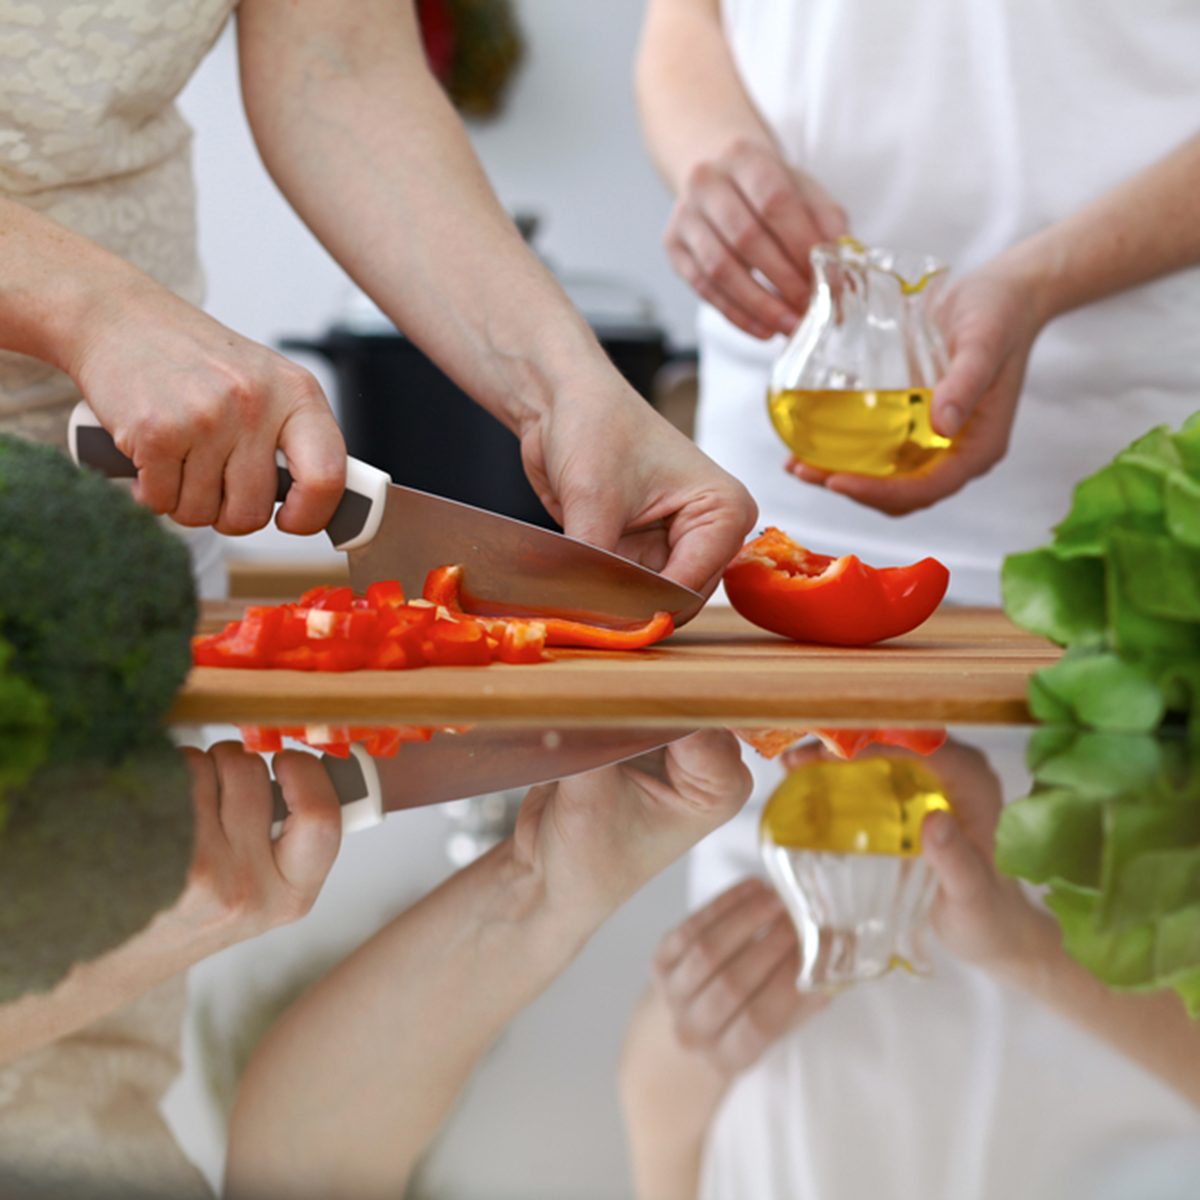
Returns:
<point x="24" y="729"/>
<point x="91" y="853"/>
<point x="95" y="597"/>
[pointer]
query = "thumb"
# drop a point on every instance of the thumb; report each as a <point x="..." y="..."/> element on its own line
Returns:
<point x="973" y="369"/>
<point x="960" y="869"/>
<point x="312" y="834"/>
<point x="316" y="454"/>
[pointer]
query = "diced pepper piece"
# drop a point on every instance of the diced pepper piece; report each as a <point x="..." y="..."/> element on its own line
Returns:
<point x="443" y="586"/>
<point x="522" y="642"/>
<point x="385" y="593"/>
<point x="457" y="644"/>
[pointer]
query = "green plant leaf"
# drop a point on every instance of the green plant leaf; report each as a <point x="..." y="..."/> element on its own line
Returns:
<point x="1060" y="599"/>
<point x="1097" y="688"/>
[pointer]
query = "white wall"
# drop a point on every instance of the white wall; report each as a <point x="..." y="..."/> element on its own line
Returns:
<point x="567" y="146"/>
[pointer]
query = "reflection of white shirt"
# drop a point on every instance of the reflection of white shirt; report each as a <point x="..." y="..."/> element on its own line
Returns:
<point x="944" y="1088"/>
<point x="957" y="129"/>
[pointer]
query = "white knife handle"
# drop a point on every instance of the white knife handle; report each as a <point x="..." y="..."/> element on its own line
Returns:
<point x="356" y="781"/>
<point x="355" y="521"/>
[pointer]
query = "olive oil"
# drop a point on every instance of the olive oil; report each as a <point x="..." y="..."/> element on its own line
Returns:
<point x="868" y="806"/>
<point x="840" y="842"/>
<point x="869" y="432"/>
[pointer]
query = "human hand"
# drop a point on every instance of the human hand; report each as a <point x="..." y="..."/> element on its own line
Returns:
<point x="242" y="882"/>
<point x="741" y="231"/>
<point x="201" y="411"/>
<point x="990" y="323"/>
<point x="978" y="914"/>
<point x="728" y="977"/>
<point x="594" y="839"/>
<point x="616" y="474"/>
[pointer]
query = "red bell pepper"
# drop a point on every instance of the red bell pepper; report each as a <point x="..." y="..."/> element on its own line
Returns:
<point x="782" y="587"/>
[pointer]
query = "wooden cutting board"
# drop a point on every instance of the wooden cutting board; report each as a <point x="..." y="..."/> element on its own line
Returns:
<point x="965" y="665"/>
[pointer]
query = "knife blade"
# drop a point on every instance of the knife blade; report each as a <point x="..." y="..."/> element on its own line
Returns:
<point x="453" y="766"/>
<point x="389" y="531"/>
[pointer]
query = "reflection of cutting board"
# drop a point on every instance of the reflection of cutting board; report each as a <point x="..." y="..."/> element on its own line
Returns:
<point x="963" y="665"/>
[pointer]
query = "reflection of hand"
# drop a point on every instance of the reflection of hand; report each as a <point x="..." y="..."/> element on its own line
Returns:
<point x="990" y="324"/>
<point x="243" y="883"/>
<point x="616" y="474"/>
<point x="239" y="885"/>
<point x="728" y="976"/>
<point x="745" y="214"/>
<point x="978" y="914"/>
<point x="592" y="840"/>
<point x="201" y="410"/>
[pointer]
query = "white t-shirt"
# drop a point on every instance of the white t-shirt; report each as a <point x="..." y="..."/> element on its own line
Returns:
<point x="956" y="129"/>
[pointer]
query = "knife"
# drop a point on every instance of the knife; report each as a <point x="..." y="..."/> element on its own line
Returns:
<point x="452" y="766"/>
<point x="510" y="567"/>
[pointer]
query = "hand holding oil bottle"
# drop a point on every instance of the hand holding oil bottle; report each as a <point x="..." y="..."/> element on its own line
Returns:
<point x="897" y="390"/>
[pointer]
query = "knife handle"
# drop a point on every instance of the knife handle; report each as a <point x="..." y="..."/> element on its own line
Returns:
<point x="356" y="782"/>
<point x="355" y="521"/>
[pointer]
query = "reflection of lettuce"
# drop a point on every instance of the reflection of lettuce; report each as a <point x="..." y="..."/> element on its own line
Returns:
<point x="1119" y="584"/>
<point x="92" y="851"/>
<point x="1112" y="826"/>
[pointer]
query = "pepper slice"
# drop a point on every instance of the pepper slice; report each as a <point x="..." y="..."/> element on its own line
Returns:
<point x="782" y="587"/>
<point x="443" y="587"/>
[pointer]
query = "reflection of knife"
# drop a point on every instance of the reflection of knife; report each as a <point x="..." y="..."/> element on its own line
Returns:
<point x="484" y="759"/>
<point x="394" y="532"/>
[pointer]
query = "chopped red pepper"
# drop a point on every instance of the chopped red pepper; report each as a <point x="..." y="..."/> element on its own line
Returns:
<point x="332" y="629"/>
<point x="846" y="743"/>
<point x="522" y="642"/>
<point x="379" y="741"/>
<point x="443" y="586"/>
<point x="782" y="587"/>
<point x="385" y="593"/>
<point x="457" y="644"/>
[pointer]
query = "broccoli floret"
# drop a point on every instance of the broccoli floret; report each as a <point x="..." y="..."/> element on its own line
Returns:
<point x="96" y="599"/>
<point x="92" y="852"/>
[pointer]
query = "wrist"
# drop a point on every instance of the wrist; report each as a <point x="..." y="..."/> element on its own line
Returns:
<point x="1040" y="267"/>
<point x="540" y="373"/>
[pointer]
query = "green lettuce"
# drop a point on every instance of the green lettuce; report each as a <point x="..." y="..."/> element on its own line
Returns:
<point x="1118" y="584"/>
<point x="1111" y="828"/>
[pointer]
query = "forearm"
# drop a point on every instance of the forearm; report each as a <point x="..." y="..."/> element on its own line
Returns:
<point x="55" y="285"/>
<point x="1153" y="1029"/>
<point x="669" y="1096"/>
<point x="392" y="1035"/>
<point x="1144" y="228"/>
<point x="360" y="138"/>
<point x="692" y="103"/>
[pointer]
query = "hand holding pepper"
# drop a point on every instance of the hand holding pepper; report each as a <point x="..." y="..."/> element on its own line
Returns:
<point x="614" y="473"/>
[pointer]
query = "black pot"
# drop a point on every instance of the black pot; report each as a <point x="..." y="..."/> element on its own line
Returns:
<point x="401" y="413"/>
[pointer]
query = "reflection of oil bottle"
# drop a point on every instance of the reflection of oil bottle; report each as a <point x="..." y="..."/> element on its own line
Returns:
<point x="851" y="390"/>
<point x="841" y="843"/>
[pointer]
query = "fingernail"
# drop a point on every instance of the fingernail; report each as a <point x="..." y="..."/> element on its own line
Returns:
<point x="788" y="322"/>
<point x="951" y="419"/>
